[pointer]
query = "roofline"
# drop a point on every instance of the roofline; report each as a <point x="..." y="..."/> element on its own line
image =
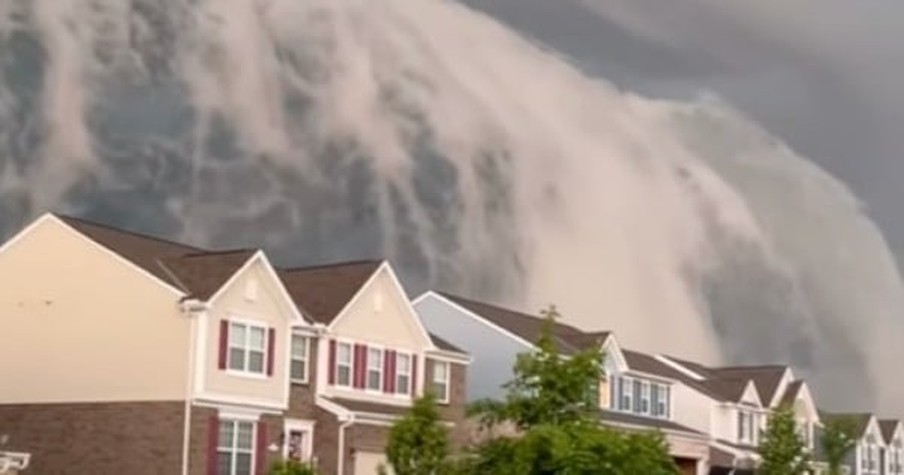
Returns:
<point x="259" y="255"/>
<point x="680" y="367"/>
<point x="106" y="250"/>
<point x="474" y="316"/>
<point x="63" y="217"/>
<point x="451" y="356"/>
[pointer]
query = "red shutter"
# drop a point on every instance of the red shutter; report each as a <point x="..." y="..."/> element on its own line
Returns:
<point x="271" y="350"/>
<point x="224" y="343"/>
<point x="389" y="371"/>
<point x="331" y="370"/>
<point x="413" y="374"/>
<point x="260" y="455"/>
<point x="213" y="439"/>
<point x="360" y="365"/>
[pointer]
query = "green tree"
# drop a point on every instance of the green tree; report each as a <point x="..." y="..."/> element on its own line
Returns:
<point x="291" y="467"/>
<point x="557" y="421"/>
<point x="839" y="437"/>
<point x="782" y="448"/>
<point x="419" y="442"/>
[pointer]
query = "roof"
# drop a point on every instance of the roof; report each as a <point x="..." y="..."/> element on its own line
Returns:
<point x="621" y="418"/>
<point x="569" y="339"/>
<point x="720" y="458"/>
<point x="370" y="407"/>
<point x="323" y="291"/>
<point x="791" y="393"/>
<point x="766" y="378"/>
<point x="203" y="274"/>
<point x="888" y="426"/>
<point x="140" y="249"/>
<point x="727" y="389"/>
<point x="445" y="345"/>
<point x="645" y="363"/>
<point x="858" y="420"/>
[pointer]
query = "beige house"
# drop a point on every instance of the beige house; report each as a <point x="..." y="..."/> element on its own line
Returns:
<point x="135" y="354"/>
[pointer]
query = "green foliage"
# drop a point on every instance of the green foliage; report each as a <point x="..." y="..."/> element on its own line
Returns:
<point x="839" y="437"/>
<point x="782" y="448"/>
<point x="419" y="443"/>
<point x="557" y="419"/>
<point x="291" y="467"/>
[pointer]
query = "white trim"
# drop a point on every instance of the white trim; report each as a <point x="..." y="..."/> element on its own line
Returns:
<point x="442" y="398"/>
<point x="339" y="411"/>
<point x="234" y="450"/>
<point x="473" y="316"/>
<point x="780" y="388"/>
<point x="209" y="399"/>
<point x="301" y="425"/>
<point x="109" y="252"/>
<point x="200" y="348"/>
<point x="410" y="374"/>
<point x="384" y="266"/>
<point x="14" y="461"/>
<point x="620" y="362"/>
<point x="679" y="367"/>
<point x="260" y="256"/>
<point x="450" y="356"/>
<point x="351" y="364"/>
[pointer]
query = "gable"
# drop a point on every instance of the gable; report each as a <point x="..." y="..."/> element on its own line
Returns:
<point x="750" y="395"/>
<point x="614" y="357"/>
<point x="872" y="431"/>
<point x="381" y="313"/>
<point x="803" y="404"/>
<point x="255" y="289"/>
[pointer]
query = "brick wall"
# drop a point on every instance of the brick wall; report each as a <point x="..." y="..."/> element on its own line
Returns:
<point x="302" y="396"/>
<point x="137" y="438"/>
<point x="455" y="410"/>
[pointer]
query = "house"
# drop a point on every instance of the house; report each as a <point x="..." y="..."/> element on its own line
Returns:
<point x="135" y="354"/>
<point x="12" y="463"/>
<point x="635" y="394"/>
<point x="741" y="399"/>
<point x="892" y="456"/>
<point x="867" y="456"/>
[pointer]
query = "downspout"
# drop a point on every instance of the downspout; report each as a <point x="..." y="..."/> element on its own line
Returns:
<point x="340" y="463"/>
<point x="189" y="309"/>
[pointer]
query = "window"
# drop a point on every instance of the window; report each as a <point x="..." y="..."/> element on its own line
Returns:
<point x="374" y="369"/>
<point x="666" y="400"/>
<point x="299" y="358"/>
<point x="235" y="449"/>
<point x="441" y="380"/>
<point x="343" y="364"/>
<point x="645" y="397"/>
<point x="660" y="400"/>
<point x="247" y="345"/>
<point x="742" y="425"/>
<point x="403" y="374"/>
<point x="613" y="392"/>
<point x="625" y="388"/>
<point x="746" y="427"/>
<point x="635" y="387"/>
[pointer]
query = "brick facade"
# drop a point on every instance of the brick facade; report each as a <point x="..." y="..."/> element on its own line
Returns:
<point x="455" y="410"/>
<point x="138" y="438"/>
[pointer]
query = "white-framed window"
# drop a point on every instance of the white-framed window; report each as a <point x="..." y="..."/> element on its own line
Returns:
<point x="344" y="364"/>
<point x="659" y="400"/>
<point x="645" y="397"/>
<point x="375" y="369"/>
<point x="625" y="389"/>
<point x="403" y="373"/>
<point x="299" y="440"/>
<point x="300" y="355"/>
<point x="746" y="426"/>
<point x="247" y="348"/>
<point x="636" y="385"/>
<point x="894" y="457"/>
<point x="440" y="381"/>
<point x="235" y="447"/>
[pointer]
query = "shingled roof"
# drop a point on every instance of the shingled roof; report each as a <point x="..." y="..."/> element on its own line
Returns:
<point x="859" y="421"/>
<point x="206" y="272"/>
<point x="569" y="339"/>
<point x="888" y="426"/>
<point x="323" y="291"/>
<point x="766" y="378"/>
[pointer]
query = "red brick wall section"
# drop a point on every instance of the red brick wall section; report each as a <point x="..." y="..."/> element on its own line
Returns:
<point x="454" y="411"/>
<point x="302" y="403"/>
<point x="326" y="441"/>
<point x="140" y="438"/>
<point x="198" y="441"/>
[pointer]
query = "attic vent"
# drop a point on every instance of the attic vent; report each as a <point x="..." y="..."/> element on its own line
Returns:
<point x="251" y="290"/>
<point x="378" y="302"/>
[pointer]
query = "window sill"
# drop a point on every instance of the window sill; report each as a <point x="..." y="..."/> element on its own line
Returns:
<point x="299" y="382"/>
<point x="247" y="374"/>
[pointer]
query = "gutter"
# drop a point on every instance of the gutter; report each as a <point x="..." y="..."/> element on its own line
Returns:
<point x="340" y="461"/>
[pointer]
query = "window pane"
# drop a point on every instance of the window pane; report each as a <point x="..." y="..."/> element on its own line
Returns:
<point x="257" y="338"/>
<point x="441" y="371"/>
<point x="299" y="370"/>
<point x="402" y="382"/>
<point x="243" y="464"/>
<point x="245" y="436"/>
<point x="236" y="358"/>
<point x="226" y="433"/>
<point x="637" y="404"/>
<point x="237" y="335"/>
<point x="374" y="380"/>
<point x="299" y="347"/>
<point x="654" y="397"/>
<point x="439" y="390"/>
<point x="224" y="463"/>
<point x="342" y="375"/>
<point x="344" y="353"/>
<point x="256" y="362"/>
<point x="403" y="364"/>
<point x="375" y="358"/>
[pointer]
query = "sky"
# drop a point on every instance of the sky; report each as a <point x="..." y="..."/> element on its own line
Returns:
<point x="825" y="76"/>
